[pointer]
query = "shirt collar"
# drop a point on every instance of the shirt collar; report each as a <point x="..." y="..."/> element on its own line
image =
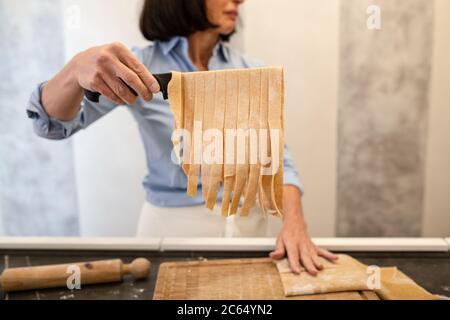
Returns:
<point x="167" y="46"/>
<point x="223" y="51"/>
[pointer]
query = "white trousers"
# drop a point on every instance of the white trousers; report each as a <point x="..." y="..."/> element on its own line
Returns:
<point x="200" y="222"/>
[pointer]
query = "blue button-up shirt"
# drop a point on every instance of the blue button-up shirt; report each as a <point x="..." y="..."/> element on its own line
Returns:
<point x="166" y="183"/>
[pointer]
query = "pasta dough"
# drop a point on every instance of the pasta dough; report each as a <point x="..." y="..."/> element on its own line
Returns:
<point x="395" y="285"/>
<point x="347" y="274"/>
<point x="229" y="132"/>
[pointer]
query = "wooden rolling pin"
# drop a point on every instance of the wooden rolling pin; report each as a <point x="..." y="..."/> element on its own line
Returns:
<point x="56" y="276"/>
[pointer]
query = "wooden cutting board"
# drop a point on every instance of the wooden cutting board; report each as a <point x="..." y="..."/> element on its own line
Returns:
<point x="236" y="279"/>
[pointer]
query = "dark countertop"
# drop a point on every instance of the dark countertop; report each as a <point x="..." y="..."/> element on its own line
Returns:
<point x="429" y="269"/>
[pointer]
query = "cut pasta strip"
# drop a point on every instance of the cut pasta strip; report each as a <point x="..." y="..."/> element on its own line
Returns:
<point x="188" y="112"/>
<point x="230" y="139"/>
<point x="208" y="122"/>
<point x="233" y="123"/>
<point x="176" y="105"/>
<point x="265" y="182"/>
<point x="276" y="138"/>
<point x="242" y="148"/>
<point x="216" y="176"/>
<point x="197" y="136"/>
<point x="254" y="118"/>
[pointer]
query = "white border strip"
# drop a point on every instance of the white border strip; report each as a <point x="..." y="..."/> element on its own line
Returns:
<point x="334" y="244"/>
<point x="384" y="244"/>
<point x="222" y="244"/>
<point x="13" y="243"/>
<point x="218" y="244"/>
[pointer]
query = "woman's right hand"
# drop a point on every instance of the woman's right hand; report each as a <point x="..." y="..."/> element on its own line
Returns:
<point x="104" y="69"/>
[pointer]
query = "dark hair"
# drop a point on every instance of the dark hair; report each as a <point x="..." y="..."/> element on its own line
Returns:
<point x="164" y="19"/>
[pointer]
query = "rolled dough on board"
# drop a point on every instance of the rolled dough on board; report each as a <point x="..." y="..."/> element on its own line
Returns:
<point x="249" y="101"/>
<point x="348" y="274"/>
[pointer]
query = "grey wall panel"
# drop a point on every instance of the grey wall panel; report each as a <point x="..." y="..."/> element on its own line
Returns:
<point x="37" y="187"/>
<point x="383" y="108"/>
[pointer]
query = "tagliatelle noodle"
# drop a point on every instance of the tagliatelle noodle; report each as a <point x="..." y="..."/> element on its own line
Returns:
<point x="234" y="124"/>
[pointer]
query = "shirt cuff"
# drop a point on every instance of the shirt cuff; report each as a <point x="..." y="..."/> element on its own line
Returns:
<point x="292" y="179"/>
<point x="45" y="125"/>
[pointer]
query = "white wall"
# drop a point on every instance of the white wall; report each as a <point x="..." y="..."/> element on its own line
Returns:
<point x="303" y="36"/>
<point x="437" y="187"/>
<point x="2" y="231"/>
<point x="109" y="157"/>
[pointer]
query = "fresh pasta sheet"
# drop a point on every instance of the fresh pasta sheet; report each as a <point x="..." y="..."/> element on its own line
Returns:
<point x="229" y="132"/>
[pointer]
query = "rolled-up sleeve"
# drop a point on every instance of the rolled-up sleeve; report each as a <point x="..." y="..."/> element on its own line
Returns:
<point x="291" y="175"/>
<point x="53" y="129"/>
<point x="44" y="125"/>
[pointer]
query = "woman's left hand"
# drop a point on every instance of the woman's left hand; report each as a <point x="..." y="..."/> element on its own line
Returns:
<point x="294" y="240"/>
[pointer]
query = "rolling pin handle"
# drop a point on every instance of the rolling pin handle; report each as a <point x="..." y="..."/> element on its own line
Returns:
<point x="139" y="268"/>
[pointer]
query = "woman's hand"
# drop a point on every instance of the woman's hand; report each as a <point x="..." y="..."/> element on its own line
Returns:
<point x="106" y="69"/>
<point x="294" y="240"/>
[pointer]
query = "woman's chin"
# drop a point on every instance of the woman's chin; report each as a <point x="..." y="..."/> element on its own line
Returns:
<point x="228" y="30"/>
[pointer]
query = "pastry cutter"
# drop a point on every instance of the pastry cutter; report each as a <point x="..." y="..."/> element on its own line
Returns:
<point x="162" y="78"/>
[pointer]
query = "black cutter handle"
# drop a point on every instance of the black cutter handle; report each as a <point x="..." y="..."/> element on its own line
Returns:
<point x="163" y="80"/>
<point x="95" y="96"/>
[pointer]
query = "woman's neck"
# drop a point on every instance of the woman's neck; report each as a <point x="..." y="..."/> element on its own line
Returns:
<point x="201" y="46"/>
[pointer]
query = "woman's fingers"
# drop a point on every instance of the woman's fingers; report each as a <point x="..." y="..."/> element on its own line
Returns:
<point x="120" y="70"/>
<point x="119" y="89"/>
<point x="299" y="255"/>
<point x="280" y="251"/>
<point x="132" y="80"/>
<point x="317" y="262"/>
<point x="327" y="254"/>
<point x="293" y="257"/>
<point x="308" y="264"/>
<point x="148" y="79"/>
<point x="127" y="58"/>
<point x="101" y="87"/>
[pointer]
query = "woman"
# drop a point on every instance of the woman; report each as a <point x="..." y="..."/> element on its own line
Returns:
<point x="187" y="35"/>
